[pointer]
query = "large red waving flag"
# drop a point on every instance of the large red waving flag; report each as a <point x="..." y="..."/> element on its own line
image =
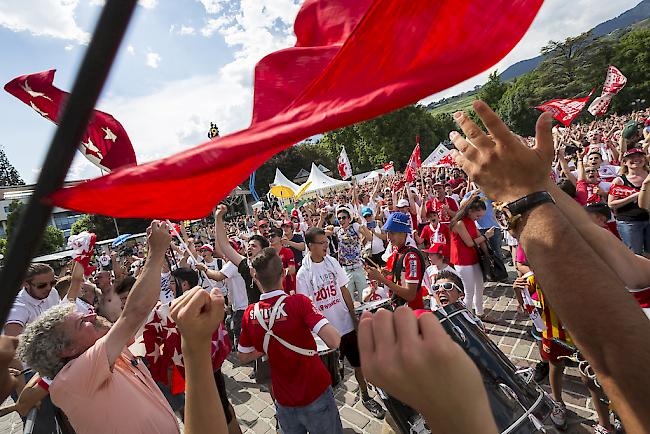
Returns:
<point x="565" y="110"/>
<point x="353" y="60"/>
<point x="105" y="142"/>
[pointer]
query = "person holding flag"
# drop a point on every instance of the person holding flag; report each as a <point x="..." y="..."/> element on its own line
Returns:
<point x="345" y="168"/>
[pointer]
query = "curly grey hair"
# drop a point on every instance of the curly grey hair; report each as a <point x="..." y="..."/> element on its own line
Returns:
<point x="43" y="341"/>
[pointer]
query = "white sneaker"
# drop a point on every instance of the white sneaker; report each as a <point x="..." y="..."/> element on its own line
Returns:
<point x="558" y="415"/>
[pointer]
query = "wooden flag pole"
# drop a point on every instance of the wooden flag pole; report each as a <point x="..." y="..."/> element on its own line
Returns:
<point x="92" y="74"/>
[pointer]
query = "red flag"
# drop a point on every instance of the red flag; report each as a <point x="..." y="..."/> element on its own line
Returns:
<point x="345" y="168"/>
<point x="321" y="84"/>
<point x="446" y="161"/>
<point x="388" y="166"/>
<point x="414" y="163"/>
<point x="565" y="110"/>
<point x="105" y="142"/>
<point x="614" y="82"/>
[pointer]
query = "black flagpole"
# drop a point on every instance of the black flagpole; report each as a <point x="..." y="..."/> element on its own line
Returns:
<point x="92" y="74"/>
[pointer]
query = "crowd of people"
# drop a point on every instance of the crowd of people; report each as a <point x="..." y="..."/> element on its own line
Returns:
<point x="567" y="209"/>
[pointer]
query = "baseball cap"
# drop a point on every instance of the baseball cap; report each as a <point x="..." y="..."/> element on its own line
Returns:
<point x="294" y="213"/>
<point x="594" y="150"/>
<point x="398" y="222"/>
<point x="262" y="222"/>
<point x="207" y="247"/>
<point x="235" y="243"/>
<point x="435" y="248"/>
<point x="366" y="211"/>
<point x="633" y="151"/>
<point x="287" y="223"/>
<point x="402" y="203"/>
<point x="630" y="129"/>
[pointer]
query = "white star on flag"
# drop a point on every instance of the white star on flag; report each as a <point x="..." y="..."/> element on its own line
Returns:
<point x="32" y="93"/>
<point x="109" y="134"/>
<point x="177" y="358"/>
<point x="155" y="353"/>
<point x="39" y="111"/>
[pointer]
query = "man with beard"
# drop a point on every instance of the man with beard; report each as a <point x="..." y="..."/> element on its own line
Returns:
<point x="90" y="364"/>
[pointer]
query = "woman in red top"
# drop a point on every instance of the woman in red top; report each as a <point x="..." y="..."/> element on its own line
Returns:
<point x="464" y="239"/>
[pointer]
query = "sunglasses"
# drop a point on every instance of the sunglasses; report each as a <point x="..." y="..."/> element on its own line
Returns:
<point x="43" y="285"/>
<point x="446" y="286"/>
<point x="264" y="226"/>
<point x="342" y="217"/>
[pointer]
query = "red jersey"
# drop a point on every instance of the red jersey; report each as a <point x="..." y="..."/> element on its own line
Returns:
<point x="439" y="235"/>
<point x="297" y="380"/>
<point x="460" y="253"/>
<point x="288" y="260"/>
<point x="455" y="183"/>
<point x="412" y="271"/>
<point x="436" y="205"/>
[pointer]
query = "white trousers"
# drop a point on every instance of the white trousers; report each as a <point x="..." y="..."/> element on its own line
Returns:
<point x="472" y="278"/>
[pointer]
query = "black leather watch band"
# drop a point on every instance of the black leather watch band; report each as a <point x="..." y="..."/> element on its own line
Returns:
<point x="528" y="202"/>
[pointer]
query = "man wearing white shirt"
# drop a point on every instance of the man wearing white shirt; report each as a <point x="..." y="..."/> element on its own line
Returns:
<point x="323" y="280"/>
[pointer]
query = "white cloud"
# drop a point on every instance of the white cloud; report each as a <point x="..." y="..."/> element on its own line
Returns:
<point x="131" y="50"/>
<point x="189" y="109"/>
<point x="148" y="4"/>
<point x="97" y="2"/>
<point x="556" y="20"/>
<point x="212" y="6"/>
<point x="81" y="168"/>
<point x="183" y="30"/>
<point x="68" y="47"/>
<point x="153" y="59"/>
<point x="214" y="24"/>
<point x="52" y="18"/>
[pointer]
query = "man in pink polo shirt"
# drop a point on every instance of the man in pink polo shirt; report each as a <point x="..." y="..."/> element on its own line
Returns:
<point x="92" y="368"/>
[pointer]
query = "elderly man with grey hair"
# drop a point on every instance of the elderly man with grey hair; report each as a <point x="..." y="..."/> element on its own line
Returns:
<point x="91" y="367"/>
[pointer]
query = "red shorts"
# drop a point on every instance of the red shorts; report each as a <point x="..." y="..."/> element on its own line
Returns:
<point x="551" y="351"/>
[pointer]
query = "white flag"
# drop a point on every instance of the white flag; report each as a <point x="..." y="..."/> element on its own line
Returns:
<point x="345" y="168"/>
<point x="438" y="154"/>
<point x="614" y="82"/>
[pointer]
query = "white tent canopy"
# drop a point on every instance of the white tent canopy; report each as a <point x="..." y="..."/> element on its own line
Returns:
<point x="280" y="179"/>
<point x="321" y="182"/>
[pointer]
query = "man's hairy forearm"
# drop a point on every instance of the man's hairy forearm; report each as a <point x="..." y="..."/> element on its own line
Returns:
<point x="605" y="321"/>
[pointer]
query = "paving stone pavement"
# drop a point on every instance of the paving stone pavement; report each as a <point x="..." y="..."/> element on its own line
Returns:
<point x="256" y="413"/>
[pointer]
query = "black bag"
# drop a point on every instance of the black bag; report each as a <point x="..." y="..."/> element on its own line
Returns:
<point x="493" y="268"/>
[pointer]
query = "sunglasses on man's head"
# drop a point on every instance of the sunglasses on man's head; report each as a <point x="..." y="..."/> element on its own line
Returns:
<point x="44" y="284"/>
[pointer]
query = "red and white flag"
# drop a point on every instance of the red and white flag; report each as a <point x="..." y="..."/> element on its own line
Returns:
<point x="446" y="161"/>
<point x="320" y="84"/>
<point x="614" y="82"/>
<point x="345" y="168"/>
<point x="414" y="162"/>
<point x="565" y="110"/>
<point x="388" y="167"/>
<point x="105" y="142"/>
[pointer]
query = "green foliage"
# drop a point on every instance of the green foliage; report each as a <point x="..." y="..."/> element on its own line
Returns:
<point x="632" y="57"/>
<point x="492" y="91"/>
<point x="15" y="211"/>
<point x="51" y="242"/>
<point x="3" y="246"/>
<point x="8" y="173"/>
<point x="104" y="227"/>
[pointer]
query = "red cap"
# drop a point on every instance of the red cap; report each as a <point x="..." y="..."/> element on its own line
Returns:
<point x="633" y="151"/>
<point x="436" y="248"/>
<point x="207" y="247"/>
<point x="262" y="221"/>
<point x="234" y="243"/>
<point x="287" y="223"/>
<point x="294" y="213"/>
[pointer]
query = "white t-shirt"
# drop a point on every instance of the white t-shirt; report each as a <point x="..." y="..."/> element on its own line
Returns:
<point x="377" y="244"/>
<point x="27" y="308"/>
<point x="236" y="286"/>
<point x="381" y="293"/>
<point x="606" y="172"/>
<point x="322" y="284"/>
<point x="430" y="275"/>
<point x="166" y="293"/>
<point x="215" y="265"/>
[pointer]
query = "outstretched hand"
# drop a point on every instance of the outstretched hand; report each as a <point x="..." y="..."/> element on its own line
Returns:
<point x="198" y="314"/>
<point x="418" y="363"/>
<point x="502" y="165"/>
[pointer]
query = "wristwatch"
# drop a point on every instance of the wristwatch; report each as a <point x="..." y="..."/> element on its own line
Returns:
<point x="513" y="211"/>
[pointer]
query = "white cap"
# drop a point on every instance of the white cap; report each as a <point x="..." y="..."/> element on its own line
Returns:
<point x="402" y="203"/>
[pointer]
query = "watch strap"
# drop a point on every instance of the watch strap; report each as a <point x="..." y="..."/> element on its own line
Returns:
<point x="528" y="202"/>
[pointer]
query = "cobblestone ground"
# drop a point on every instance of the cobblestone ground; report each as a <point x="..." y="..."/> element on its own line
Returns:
<point x="256" y="412"/>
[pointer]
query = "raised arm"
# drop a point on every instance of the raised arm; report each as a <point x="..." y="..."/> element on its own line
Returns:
<point x="77" y="279"/>
<point x="144" y="295"/>
<point x="507" y="170"/>
<point x="222" y="238"/>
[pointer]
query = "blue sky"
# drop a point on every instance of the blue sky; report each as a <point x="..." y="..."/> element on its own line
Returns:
<point x="185" y="63"/>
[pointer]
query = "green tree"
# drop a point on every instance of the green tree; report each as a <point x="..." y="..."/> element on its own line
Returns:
<point x="632" y="57"/>
<point x="104" y="227"/>
<point x="3" y="246"/>
<point x="16" y="208"/>
<point x="492" y="91"/>
<point x="516" y="104"/>
<point x="51" y="242"/>
<point x="8" y="173"/>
